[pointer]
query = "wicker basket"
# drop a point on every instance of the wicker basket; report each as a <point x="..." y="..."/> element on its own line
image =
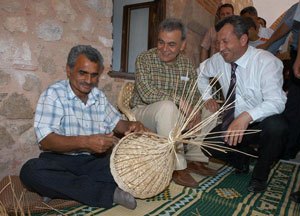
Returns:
<point x="143" y="164"/>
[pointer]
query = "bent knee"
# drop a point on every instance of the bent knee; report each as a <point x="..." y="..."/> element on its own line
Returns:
<point x="276" y="125"/>
<point x="167" y="107"/>
<point x="29" y="169"/>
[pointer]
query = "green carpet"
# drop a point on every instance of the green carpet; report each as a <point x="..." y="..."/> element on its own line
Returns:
<point x="224" y="194"/>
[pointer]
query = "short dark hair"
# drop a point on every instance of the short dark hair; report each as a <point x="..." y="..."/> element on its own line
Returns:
<point x="249" y="22"/>
<point x="265" y="22"/>
<point x="239" y="25"/>
<point x="224" y="6"/>
<point x="91" y="53"/>
<point x="251" y="10"/>
<point x="172" y="24"/>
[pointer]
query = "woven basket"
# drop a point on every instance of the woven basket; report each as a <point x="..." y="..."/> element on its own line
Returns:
<point x="143" y="164"/>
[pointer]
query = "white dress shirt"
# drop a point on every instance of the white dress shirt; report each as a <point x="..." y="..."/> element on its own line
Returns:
<point x="259" y="82"/>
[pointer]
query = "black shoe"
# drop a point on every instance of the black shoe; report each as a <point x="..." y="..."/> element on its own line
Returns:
<point x="244" y="169"/>
<point x="295" y="196"/>
<point x="257" y="186"/>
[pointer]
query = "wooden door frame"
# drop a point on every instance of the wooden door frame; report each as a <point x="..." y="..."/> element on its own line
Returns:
<point x="157" y="13"/>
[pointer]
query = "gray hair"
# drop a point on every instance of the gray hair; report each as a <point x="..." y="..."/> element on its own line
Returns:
<point x="91" y="53"/>
<point x="172" y="24"/>
<point x="239" y="25"/>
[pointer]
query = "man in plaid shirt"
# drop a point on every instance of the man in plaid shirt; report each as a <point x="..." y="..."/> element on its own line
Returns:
<point x="160" y="72"/>
<point x="75" y="124"/>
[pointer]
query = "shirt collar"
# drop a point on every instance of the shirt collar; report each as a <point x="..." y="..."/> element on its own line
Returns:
<point x="92" y="97"/>
<point x="243" y="60"/>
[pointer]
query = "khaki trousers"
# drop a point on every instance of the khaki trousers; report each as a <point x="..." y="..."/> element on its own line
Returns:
<point x="160" y="117"/>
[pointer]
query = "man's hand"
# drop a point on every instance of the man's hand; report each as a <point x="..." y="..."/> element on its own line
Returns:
<point x="296" y="67"/>
<point x="99" y="143"/>
<point x="194" y="121"/>
<point x="233" y="135"/>
<point x="136" y="127"/>
<point x="212" y="105"/>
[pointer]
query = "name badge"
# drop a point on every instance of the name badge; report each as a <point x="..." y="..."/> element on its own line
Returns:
<point x="184" y="78"/>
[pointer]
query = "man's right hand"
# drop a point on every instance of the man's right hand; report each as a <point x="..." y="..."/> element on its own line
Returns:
<point x="99" y="143"/>
<point x="212" y="105"/>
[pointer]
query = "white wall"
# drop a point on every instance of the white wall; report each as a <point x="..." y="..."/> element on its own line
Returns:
<point x="117" y="29"/>
<point x="270" y="10"/>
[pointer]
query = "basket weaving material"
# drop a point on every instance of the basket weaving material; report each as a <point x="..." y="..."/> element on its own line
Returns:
<point x="11" y="189"/>
<point x="143" y="164"/>
<point x="124" y="99"/>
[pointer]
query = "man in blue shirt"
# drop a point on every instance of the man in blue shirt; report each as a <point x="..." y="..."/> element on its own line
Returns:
<point x="289" y="24"/>
<point x="75" y="124"/>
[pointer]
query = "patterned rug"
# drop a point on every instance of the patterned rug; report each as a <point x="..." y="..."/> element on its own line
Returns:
<point x="224" y="194"/>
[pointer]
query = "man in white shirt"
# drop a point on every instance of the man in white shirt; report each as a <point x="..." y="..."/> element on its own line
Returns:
<point x="252" y="12"/>
<point x="259" y="100"/>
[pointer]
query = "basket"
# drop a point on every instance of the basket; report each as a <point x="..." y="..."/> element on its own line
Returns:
<point x="142" y="164"/>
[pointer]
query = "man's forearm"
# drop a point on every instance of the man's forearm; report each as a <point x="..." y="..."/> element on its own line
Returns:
<point x="59" y="143"/>
<point x="279" y="33"/>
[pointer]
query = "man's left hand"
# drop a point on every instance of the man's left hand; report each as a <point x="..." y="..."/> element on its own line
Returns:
<point x="235" y="131"/>
<point x="136" y="127"/>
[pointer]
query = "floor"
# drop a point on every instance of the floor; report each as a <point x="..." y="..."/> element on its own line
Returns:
<point x="295" y="161"/>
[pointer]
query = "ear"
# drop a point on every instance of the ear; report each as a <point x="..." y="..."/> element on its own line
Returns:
<point x="244" y="40"/>
<point x="68" y="71"/>
<point x="183" y="45"/>
<point x="101" y="69"/>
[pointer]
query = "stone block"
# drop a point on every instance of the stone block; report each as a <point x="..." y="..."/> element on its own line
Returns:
<point x="4" y="78"/>
<point x="16" y="106"/>
<point x="15" y="24"/>
<point x="25" y="67"/>
<point x="64" y="10"/>
<point x="10" y="6"/>
<point x="47" y="62"/>
<point x="6" y="139"/>
<point x="32" y="83"/>
<point x="2" y="96"/>
<point x="50" y="30"/>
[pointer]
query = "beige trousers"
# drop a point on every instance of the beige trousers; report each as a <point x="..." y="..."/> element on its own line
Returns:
<point x="160" y="117"/>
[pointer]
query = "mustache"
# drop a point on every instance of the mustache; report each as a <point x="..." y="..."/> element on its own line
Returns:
<point x="86" y="84"/>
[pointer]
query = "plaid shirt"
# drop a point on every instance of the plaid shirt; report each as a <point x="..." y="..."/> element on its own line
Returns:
<point x="156" y="81"/>
<point x="60" y="111"/>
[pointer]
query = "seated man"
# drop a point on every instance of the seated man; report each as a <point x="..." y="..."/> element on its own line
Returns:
<point x="157" y="73"/>
<point x="75" y="124"/>
<point x="252" y="80"/>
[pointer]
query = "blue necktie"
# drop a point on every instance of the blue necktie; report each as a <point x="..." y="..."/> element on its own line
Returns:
<point x="228" y="114"/>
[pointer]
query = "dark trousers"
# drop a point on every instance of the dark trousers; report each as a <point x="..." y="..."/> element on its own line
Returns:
<point x="270" y="142"/>
<point x="292" y="112"/>
<point x="84" y="178"/>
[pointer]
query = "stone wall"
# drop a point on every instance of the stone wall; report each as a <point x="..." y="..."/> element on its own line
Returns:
<point x="36" y="37"/>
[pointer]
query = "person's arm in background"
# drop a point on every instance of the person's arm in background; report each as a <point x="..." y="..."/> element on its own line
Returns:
<point x="296" y="66"/>
<point x="283" y="30"/>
